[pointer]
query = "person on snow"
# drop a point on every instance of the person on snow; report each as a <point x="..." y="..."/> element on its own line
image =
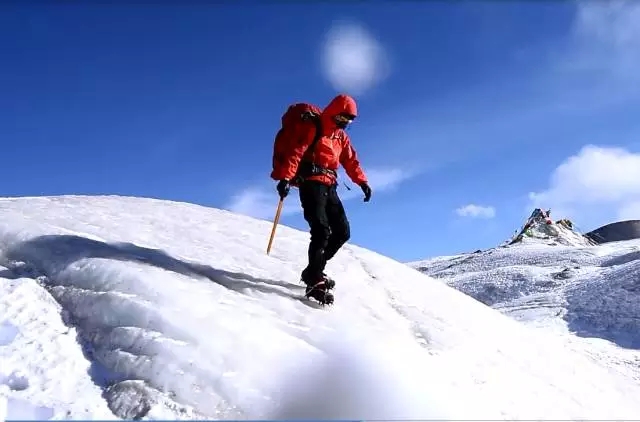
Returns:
<point x="311" y="164"/>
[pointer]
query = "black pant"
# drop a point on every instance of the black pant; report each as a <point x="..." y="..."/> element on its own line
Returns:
<point x="328" y="222"/>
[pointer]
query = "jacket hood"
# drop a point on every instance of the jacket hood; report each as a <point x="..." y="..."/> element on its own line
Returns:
<point x="341" y="104"/>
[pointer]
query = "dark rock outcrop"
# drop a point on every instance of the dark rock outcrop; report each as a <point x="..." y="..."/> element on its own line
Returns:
<point x="614" y="232"/>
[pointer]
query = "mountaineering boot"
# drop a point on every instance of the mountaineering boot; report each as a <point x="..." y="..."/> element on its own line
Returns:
<point x="319" y="292"/>
<point x="307" y="279"/>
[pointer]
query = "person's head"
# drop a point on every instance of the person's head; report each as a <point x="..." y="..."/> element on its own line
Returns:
<point x="340" y="112"/>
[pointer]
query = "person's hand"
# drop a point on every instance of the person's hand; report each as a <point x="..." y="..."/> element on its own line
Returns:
<point x="283" y="188"/>
<point x="367" y="191"/>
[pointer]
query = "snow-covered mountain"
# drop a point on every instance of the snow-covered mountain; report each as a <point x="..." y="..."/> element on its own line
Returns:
<point x="114" y="307"/>
<point x="540" y="229"/>
<point x="553" y="278"/>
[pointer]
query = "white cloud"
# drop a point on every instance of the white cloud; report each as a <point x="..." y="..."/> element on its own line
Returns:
<point x="388" y="179"/>
<point x="600" y="69"/>
<point x="476" y="211"/>
<point x="597" y="66"/>
<point x="597" y="185"/>
<point x="353" y="60"/>
<point x="607" y="39"/>
<point x="380" y="180"/>
<point x="260" y="203"/>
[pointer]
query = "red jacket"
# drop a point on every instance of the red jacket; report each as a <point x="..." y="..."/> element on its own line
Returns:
<point x="332" y="149"/>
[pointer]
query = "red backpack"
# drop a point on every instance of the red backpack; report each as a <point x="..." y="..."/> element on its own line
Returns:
<point x="295" y="116"/>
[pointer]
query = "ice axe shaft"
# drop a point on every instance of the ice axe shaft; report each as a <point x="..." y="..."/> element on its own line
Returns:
<point x="275" y="224"/>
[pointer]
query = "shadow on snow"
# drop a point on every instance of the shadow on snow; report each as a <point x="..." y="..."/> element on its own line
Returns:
<point x="48" y="255"/>
<point x="63" y="250"/>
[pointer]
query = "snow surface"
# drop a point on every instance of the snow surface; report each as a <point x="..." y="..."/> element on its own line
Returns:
<point x="42" y="362"/>
<point x="141" y="308"/>
<point x="589" y="294"/>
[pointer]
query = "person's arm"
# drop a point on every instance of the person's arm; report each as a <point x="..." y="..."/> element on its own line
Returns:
<point x="350" y="162"/>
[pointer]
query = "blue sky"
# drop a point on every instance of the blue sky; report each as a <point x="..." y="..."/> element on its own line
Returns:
<point x="471" y="113"/>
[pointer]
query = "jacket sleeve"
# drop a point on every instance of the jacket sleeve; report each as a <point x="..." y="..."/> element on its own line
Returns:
<point x="350" y="162"/>
<point x="277" y="172"/>
<point x="302" y="142"/>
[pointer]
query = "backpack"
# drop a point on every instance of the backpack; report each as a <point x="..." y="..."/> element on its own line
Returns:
<point x="295" y="116"/>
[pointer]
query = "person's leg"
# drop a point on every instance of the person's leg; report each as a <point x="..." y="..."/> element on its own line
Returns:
<point x="338" y="223"/>
<point x="313" y="197"/>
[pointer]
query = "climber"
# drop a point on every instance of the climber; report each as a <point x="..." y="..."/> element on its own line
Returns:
<point x="317" y="146"/>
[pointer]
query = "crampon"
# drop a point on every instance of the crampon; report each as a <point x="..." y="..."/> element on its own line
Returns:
<point x="319" y="292"/>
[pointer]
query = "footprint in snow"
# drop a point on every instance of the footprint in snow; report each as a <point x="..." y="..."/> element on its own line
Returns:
<point x="8" y="333"/>
<point x="15" y="380"/>
<point x="13" y="408"/>
<point x="20" y="409"/>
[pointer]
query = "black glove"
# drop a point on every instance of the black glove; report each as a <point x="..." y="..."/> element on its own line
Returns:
<point x="367" y="191"/>
<point x="283" y="188"/>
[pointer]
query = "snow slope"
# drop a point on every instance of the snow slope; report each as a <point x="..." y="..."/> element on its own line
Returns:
<point x="594" y="290"/>
<point x="168" y="310"/>
<point x="589" y="293"/>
